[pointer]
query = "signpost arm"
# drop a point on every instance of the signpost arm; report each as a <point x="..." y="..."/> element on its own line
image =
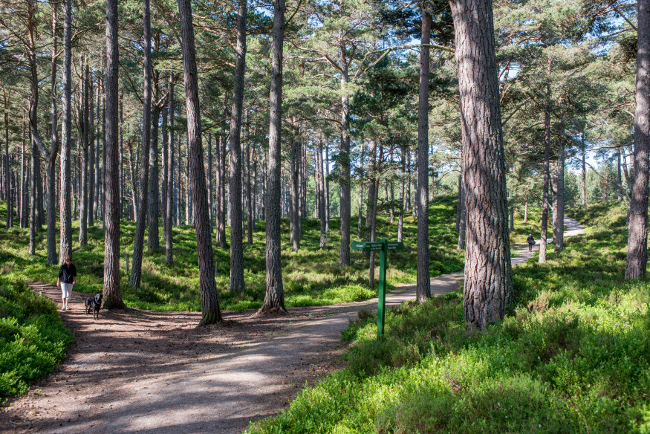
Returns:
<point x="381" y="308"/>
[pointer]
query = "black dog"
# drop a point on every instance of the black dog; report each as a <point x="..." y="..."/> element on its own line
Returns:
<point x="94" y="304"/>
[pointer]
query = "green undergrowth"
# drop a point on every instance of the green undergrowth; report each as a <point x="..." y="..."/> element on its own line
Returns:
<point x="311" y="276"/>
<point x="33" y="339"/>
<point x="572" y="355"/>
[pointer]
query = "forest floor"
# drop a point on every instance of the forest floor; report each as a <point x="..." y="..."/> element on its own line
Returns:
<point x="146" y="371"/>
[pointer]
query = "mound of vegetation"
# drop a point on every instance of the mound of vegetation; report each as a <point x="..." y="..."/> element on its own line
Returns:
<point x="572" y="355"/>
<point x="33" y="339"/>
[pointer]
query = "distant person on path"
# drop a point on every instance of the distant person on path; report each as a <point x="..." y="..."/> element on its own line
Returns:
<point x="67" y="279"/>
<point x="531" y="242"/>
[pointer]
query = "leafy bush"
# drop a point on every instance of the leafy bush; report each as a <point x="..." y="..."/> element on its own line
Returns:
<point x="33" y="339"/>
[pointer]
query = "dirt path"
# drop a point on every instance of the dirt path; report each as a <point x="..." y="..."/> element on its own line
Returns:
<point x="141" y="371"/>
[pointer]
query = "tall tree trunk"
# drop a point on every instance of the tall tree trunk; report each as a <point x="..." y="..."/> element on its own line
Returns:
<point x="223" y="204"/>
<point x="249" y="201"/>
<point x="98" y="170"/>
<point x="121" y="186"/>
<point x="360" y="213"/>
<point x="221" y="186"/>
<point x="209" y="296"/>
<point x="9" y="204"/>
<point x="526" y="211"/>
<point x="274" y="298"/>
<point x="583" y="172"/>
<point x="209" y="179"/>
<point x="459" y="206"/>
<point x="112" y="294"/>
<point x="295" y="194"/>
<point x="23" y="183"/>
<point x="423" y="289"/>
<point x="327" y="187"/>
<point x="91" y="155"/>
<point x="164" y="170"/>
<point x="392" y="200"/>
<point x="547" y="151"/>
<point x="462" y="226"/>
<point x="154" y="181"/>
<point x="169" y="205"/>
<point x="402" y="175"/>
<point x="558" y="215"/>
<point x="179" y="186"/>
<point x="321" y="192"/>
<point x="407" y="205"/>
<point x="35" y="220"/>
<point x="54" y="150"/>
<point x="188" y="188"/>
<point x="83" y="167"/>
<point x="141" y="219"/>
<point x="344" y="157"/>
<point x="234" y="182"/>
<point x="637" y="252"/>
<point x="488" y="273"/>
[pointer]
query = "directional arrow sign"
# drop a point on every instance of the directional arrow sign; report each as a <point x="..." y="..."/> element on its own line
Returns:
<point x="373" y="247"/>
<point x="383" y="246"/>
<point x="366" y="246"/>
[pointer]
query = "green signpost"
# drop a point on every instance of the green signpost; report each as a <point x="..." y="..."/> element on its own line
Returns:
<point x="382" y="247"/>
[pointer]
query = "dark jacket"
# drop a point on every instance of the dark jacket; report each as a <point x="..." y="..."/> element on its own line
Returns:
<point x="67" y="274"/>
<point x="531" y="240"/>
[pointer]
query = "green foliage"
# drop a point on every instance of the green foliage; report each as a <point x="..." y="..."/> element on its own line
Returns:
<point x="311" y="276"/>
<point x="32" y="337"/>
<point x="573" y="355"/>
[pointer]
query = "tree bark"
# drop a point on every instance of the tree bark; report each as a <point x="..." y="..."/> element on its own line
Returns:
<point x="558" y="215"/>
<point x="237" y="283"/>
<point x="619" y="178"/>
<point x="547" y="151"/>
<point x="112" y="294"/>
<point x="10" y="206"/>
<point x="249" y="198"/>
<point x="423" y="289"/>
<point x="459" y="205"/>
<point x="327" y="187"/>
<point x="54" y="151"/>
<point x="91" y="155"/>
<point x="321" y="192"/>
<point x="583" y="172"/>
<point x="637" y="253"/>
<point x="462" y="224"/>
<point x="83" y="167"/>
<point x="154" y="182"/>
<point x="295" y="194"/>
<point x="141" y="220"/>
<point x="274" y="298"/>
<point x="402" y="197"/>
<point x="344" y="157"/>
<point x="210" y="311"/>
<point x="488" y="272"/>
<point x="35" y="219"/>
<point x="360" y="213"/>
<point x="169" y="204"/>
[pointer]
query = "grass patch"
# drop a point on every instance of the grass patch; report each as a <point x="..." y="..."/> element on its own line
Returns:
<point x="311" y="275"/>
<point x="573" y="355"/>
